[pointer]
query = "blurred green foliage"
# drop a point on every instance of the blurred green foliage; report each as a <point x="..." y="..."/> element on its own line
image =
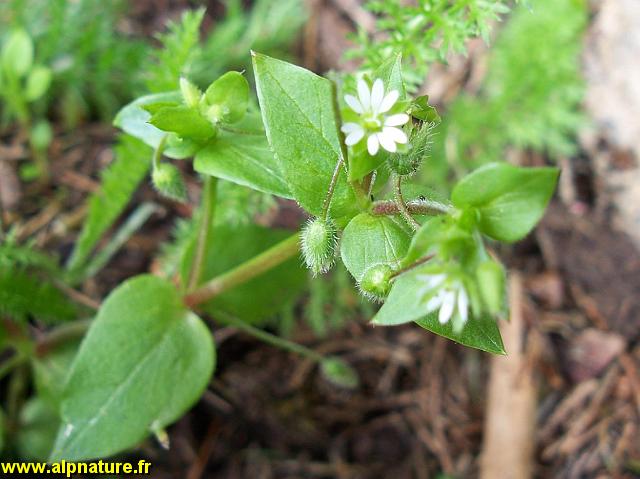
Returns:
<point x="530" y="98"/>
<point x="424" y="31"/>
<point x="91" y="56"/>
<point x="101" y="62"/>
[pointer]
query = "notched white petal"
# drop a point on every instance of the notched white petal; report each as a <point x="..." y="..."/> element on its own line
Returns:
<point x="349" y="127"/>
<point x="389" y="100"/>
<point x="373" y="145"/>
<point x="434" y="303"/>
<point x="387" y="142"/>
<point x="463" y="304"/>
<point x="396" y="134"/>
<point x="377" y="95"/>
<point x="354" y="137"/>
<point x="448" y="304"/>
<point x="354" y="104"/>
<point x="396" y="120"/>
<point x="364" y="95"/>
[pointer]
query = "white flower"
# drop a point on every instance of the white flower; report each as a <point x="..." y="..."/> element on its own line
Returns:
<point x="380" y="129"/>
<point x="451" y="298"/>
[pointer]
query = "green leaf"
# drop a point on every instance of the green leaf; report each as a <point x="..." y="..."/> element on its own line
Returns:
<point x="153" y="108"/>
<point x="262" y="297"/>
<point x="134" y="120"/>
<point x="390" y="72"/>
<point x="300" y="120"/>
<point x="372" y="240"/>
<point x="430" y="235"/>
<point x="17" y="53"/>
<point x="24" y="295"/>
<point x="183" y="121"/>
<point x="38" y="82"/>
<point x="227" y="98"/>
<point x="406" y="303"/>
<point x="50" y="371"/>
<point x="245" y="159"/>
<point x="118" y="183"/>
<point x="144" y="362"/>
<point x="511" y="200"/>
<point x="37" y="432"/>
<point x="421" y="110"/>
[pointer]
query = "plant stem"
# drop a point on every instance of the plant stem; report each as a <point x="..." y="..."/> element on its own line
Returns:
<point x="61" y="335"/>
<point x="413" y="265"/>
<point x="242" y="273"/>
<point x="416" y="207"/>
<point x="157" y="153"/>
<point x="14" y="361"/>
<point x="139" y="216"/>
<point x="402" y="207"/>
<point x="209" y="193"/>
<point x="332" y="186"/>
<point x="269" y="338"/>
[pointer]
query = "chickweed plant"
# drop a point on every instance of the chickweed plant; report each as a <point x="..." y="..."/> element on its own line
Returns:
<point x="344" y="151"/>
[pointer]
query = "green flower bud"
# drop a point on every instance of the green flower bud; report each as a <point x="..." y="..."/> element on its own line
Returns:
<point x="491" y="284"/>
<point x="375" y="283"/>
<point x="319" y="245"/>
<point x="406" y="163"/>
<point x="339" y="373"/>
<point x="190" y="93"/>
<point x="169" y="182"/>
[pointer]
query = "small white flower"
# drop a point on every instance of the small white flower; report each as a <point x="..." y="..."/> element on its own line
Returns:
<point x="451" y="298"/>
<point x="379" y="128"/>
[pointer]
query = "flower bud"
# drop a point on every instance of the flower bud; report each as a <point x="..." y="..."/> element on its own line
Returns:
<point x="376" y="282"/>
<point x="339" y="373"/>
<point x="169" y="182"/>
<point x="406" y="163"/>
<point x="490" y="277"/>
<point x="318" y="245"/>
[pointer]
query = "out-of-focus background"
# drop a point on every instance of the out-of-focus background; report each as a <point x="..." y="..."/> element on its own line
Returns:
<point x="556" y="82"/>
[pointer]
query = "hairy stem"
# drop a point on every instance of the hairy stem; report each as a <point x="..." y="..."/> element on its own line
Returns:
<point x="242" y="273"/>
<point x="413" y="265"/>
<point x="61" y="335"/>
<point x="402" y="207"/>
<point x="11" y="363"/>
<point x="269" y="338"/>
<point x="158" y="152"/>
<point x="332" y="186"/>
<point x="416" y="207"/>
<point x="208" y="200"/>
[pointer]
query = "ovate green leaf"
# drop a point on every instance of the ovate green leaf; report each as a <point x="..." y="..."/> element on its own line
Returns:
<point x="245" y="159"/>
<point x="17" y="53"/>
<point x="390" y="72"/>
<point x="134" y="120"/>
<point x="511" y="200"/>
<point x="371" y="240"/>
<point x="145" y="361"/>
<point x="38" y="82"/>
<point x="300" y="120"/>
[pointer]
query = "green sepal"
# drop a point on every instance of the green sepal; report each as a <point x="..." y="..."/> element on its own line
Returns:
<point x="183" y="121"/>
<point x="227" y="99"/>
